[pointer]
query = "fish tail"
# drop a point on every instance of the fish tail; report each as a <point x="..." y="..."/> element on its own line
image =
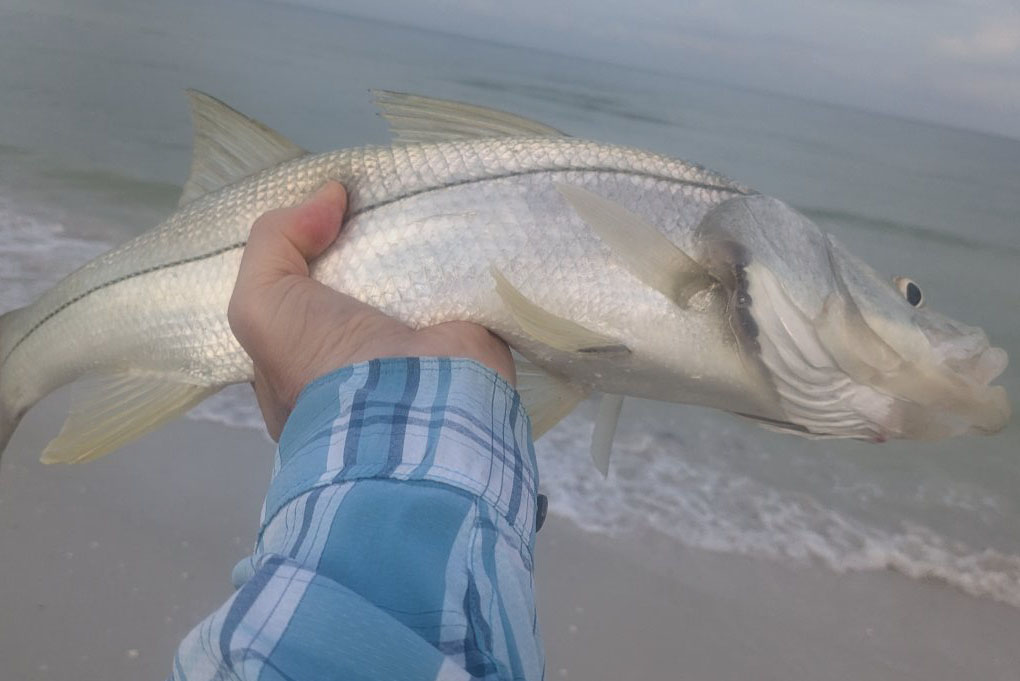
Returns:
<point x="9" y="414"/>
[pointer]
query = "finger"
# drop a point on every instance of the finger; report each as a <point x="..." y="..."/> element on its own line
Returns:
<point x="280" y="244"/>
<point x="283" y="241"/>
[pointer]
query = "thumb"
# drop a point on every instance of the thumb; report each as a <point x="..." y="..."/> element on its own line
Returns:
<point x="283" y="241"/>
<point x="280" y="245"/>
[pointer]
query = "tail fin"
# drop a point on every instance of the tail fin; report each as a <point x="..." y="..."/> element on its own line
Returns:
<point x="8" y="418"/>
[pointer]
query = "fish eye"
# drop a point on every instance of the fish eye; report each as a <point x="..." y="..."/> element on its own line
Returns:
<point x="910" y="291"/>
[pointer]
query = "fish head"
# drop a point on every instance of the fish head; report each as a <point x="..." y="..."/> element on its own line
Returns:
<point x="850" y="353"/>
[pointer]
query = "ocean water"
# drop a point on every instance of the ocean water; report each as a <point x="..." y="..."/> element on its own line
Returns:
<point x="95" y="142"/>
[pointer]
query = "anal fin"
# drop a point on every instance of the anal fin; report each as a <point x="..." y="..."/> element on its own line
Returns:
<point x="605" y="429"/>
<point x="110" y="411"/>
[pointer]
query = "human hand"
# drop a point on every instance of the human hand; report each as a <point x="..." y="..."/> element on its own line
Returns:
<point x="296" y="329"/>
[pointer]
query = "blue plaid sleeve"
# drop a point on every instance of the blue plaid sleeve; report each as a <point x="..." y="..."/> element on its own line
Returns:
<point x="396" y="538"/>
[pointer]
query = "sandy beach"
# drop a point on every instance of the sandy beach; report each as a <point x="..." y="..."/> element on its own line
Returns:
<point x="107" y="565"/>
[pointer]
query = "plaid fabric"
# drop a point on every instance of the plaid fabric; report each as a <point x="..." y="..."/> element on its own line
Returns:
<point x="396" y="538"/>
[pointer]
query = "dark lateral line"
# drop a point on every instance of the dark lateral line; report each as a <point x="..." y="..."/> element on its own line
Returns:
<point x="362" y="211"/>
<point x="149" y="270"/>
<point x="520" y="173"/>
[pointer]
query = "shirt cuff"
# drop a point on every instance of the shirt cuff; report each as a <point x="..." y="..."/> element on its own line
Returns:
<point x="438" y="419"/>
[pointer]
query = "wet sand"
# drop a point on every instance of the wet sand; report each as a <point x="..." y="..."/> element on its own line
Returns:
<point x="105" y="566"/>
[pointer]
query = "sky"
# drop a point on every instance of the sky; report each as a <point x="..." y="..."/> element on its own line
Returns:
<point x="954" y="62"/>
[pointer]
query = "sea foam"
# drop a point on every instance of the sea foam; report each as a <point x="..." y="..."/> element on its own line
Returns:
<point x="662" y="482"/>
<point x="36" y="252"/>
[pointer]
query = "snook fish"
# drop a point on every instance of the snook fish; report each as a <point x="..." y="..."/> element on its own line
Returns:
<point x="605" y="268"/>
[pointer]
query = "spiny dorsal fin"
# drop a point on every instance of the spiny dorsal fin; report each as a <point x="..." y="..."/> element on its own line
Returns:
<point x="109" y="411"/>
<point x="414" y="118"/>
<point x="229" y="146"/>
<point x="605" y="429"/>
<point x="550" y="329"/>
<point x="640" y="247"/>
<point x="547" y="398"/>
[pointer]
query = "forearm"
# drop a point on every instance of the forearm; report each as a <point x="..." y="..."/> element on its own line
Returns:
<point x="397" y="536"/>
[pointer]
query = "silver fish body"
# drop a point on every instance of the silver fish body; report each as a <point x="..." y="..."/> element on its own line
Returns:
<point x="428" y="225"/>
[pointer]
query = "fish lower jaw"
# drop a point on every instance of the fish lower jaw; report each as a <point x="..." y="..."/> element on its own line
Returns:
<point x="993" y="413"/>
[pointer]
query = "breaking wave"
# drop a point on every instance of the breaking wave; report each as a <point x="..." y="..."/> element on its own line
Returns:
<point x="35" y="253"/>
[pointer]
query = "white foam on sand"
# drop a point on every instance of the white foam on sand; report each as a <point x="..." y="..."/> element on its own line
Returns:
<point x="657" y="480"/>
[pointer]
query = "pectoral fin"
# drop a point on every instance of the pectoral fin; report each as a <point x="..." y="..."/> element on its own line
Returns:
<point x="639" y="246"/>
<point x="550" y="329"/>
<point x="546" y="397"/>
<point x="605" y="429"/>
<point x="110" y="411"/>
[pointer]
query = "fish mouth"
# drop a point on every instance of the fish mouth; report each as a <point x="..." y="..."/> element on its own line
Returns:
<point x="961" y="349"/>
<point x="981" y="367"/>
<point x="971" y="364"/>
<point x="987" y="405"/>
<point x="990" y="365"/>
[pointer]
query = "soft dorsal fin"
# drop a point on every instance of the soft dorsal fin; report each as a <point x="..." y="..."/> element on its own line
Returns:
<point x="414" y="118"/>
<point x="229" y="146"/>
